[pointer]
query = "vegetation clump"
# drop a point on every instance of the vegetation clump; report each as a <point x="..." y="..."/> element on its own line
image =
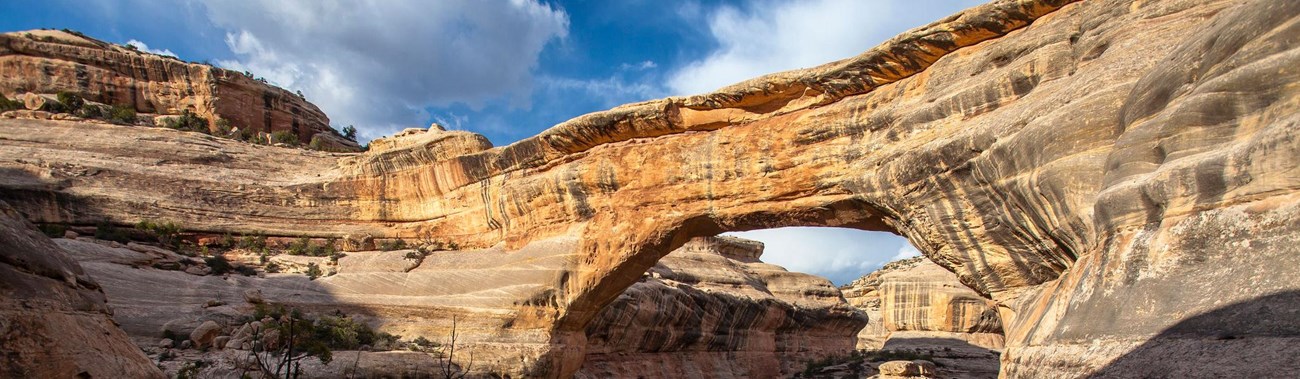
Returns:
<point x="189" y="121"/>
<point x="393" y="244"/>
<point x="167" y="233"/>
<point x="285" y="137"/>
<point x="7" y="105"/>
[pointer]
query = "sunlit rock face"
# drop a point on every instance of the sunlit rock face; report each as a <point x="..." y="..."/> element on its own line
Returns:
<point x="54" y="322"/>
<point x="1119" y="176"/>
<point x="51" y="61"/>
<point x="712" y="309"/>
<point x="915" y="294"/>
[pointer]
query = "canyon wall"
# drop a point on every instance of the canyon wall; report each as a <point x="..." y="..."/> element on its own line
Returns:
<point x="712" y="309"/>
<point x="51" y="61"/>
<point x="916" y="295"/>
<point x="1119" y="176"/>
<point x="54" y="322"/>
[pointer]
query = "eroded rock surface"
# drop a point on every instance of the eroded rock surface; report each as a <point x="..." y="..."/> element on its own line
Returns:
<point x="712" y="309"/>
<point x="916" y="295"/>
<point x="1118" y="175"/>
<point x="54" y="322"/>
<point x="52" y="61"/>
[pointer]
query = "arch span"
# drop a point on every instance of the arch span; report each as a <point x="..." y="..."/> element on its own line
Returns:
<point x="1100" y="169"/>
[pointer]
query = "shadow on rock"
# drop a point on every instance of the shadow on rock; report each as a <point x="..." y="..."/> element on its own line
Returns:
<point x="1259" y="338"/>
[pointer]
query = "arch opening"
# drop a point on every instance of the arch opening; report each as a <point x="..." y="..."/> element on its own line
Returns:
<point x="840" y="255"/>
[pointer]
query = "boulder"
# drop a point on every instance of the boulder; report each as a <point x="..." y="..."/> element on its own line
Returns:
<point x="220" y="342"/>
<point x="205" y="334"/>
<point x="917" y="368"/>
<point x="253" y="296"/>
<point x="166" y="343"/>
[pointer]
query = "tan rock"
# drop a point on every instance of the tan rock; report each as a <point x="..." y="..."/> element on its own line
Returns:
<point x="711" y="308"/>
<point x="51" y="61"/>
<point x="1067" y="160"/>
<point x="910" y="369"/>
<point x="253" y="296"/>
<point x="204" y="335"/>
<point x="55" y="320"/>
<point x="220" y="342"/>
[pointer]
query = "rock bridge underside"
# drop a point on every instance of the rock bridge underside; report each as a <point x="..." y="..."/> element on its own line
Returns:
<point x="1104" y="170"/>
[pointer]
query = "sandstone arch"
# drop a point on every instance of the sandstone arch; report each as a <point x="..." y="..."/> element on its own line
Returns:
<point x="1101" y="169"/>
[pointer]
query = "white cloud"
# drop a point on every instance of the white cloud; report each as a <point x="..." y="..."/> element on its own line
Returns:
<point x="145" y="48"/>
<point x="777" y="36"/>
<point x="644" y="65"/>
<point x="838" y="254"/>
<point x="379" y="64"/>
<point x="907" y="251"/>
<point x="611" y="91"/>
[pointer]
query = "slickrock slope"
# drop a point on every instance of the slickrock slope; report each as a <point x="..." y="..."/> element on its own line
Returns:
<point x="712" y="309"/>
<point x="51" y="61"/>
<point x="1120" y="176"/>
<point x="54" y="322"/>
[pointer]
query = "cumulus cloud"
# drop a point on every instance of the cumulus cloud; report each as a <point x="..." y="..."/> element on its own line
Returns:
<point x="378" y="65"/>
<point x="838" y="254"/>
<point x="145" y="48"/>
<point x="774" y="36"/>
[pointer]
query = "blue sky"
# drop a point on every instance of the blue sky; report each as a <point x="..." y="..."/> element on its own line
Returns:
<point x="508" y="68"/>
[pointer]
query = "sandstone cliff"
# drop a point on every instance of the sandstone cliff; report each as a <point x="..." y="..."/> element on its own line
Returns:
<point x="917" y="295"/>
<point x="1119" y="176"/>
<point x="54" y="322"/>
<point x="51" y="61"/>
<point x="712" y="309"/>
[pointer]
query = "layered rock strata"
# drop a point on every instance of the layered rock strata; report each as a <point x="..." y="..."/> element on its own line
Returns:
<point x="916" y="295"/>
<point x="54" y="322"/>
<point x="1118" y="175"/>
<point x="712" y="309"/>
<point x="51" y="61"/>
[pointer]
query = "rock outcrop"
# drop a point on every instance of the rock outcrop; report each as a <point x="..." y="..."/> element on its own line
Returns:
<point x="52" y="61"/>
<point x="54" y="322"/>
<point x="916" y="295"/>
<point x="712" y="309"/>
<point x="1119" y="176"/>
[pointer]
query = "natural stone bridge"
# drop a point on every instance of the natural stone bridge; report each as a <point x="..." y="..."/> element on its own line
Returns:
<point x="1104" y="170"/>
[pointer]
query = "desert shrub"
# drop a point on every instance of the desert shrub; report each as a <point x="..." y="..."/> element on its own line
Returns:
<point x="393" y="244"/>
<point x="299" y="247"/>
<point x="224" y="128"/>
<point x="316" y="143"/>
<point x="190" y="122"/>
<point x="53" y="230"/>
<point x="350" y="132"/>
<point x="256" y="241"/>
<point x="122" y="114"/>
<point x="166" y="232"/>
<point x="285" y="137"/>
<point x="191" y="369"/>
<point x="7" y="105"/>
<point x="313" y="271"/>
<point x="227" y="240"/>
<point x="54" y="107"/>
<point x="245" y="270"/>
<point x="71" y="101"/>
<point x="895" y="355"/>
<point x="106" y="231"/>
<point x="218" y="264"/>
<point x="272" y="267"/>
